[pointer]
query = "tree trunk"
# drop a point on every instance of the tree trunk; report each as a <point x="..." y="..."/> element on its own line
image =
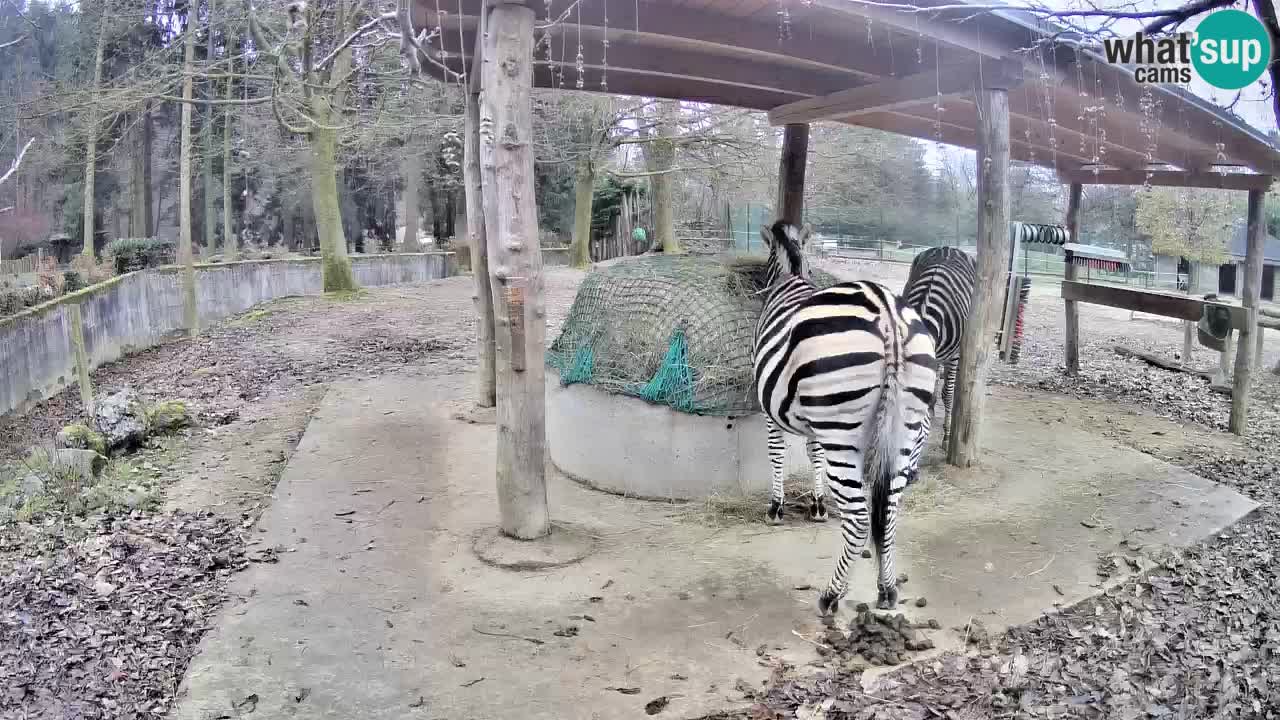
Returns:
<point x="511" y="224"/>
<point x="139" y="213"/>
<point x="662" y="156"/>
<point x="206" y="167"/>
<point x="485" y="381"/>
<point x="91" y="145"/>
<point x="336" y="266"/>
<point x="412" y="169"/>
<point x="326" y="109"/>
<point x="993" y="263"/>
<point x="230" y="242"/>
<point x="153" y="209"/>
<point x="190" y="319"/>
<point x="584" y="186"/>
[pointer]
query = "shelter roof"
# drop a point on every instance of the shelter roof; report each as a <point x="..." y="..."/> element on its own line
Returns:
<point x="878" y="66"/>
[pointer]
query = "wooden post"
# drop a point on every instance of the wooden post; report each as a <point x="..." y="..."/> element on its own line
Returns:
<point x="1225" y="358"/>
<point x="1069" y="273"/>
<point x="1250" y="297"/>
<point x="511" y="232"/>
<point x="1257" y="353"/>
<point x="791" y="166"/>
<point x="993" y="261"/>
<point x="82" y="356"/>
<point x="486" y="385"/>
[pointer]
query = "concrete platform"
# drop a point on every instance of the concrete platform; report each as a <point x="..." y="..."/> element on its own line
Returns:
<point x="387" y="612"/>
<point x="640" y="449"/>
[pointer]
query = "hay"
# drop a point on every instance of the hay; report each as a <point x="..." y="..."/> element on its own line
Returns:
<point x="671" y="329"/>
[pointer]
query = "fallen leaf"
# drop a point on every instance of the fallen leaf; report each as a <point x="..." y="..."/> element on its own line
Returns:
<point x="625" y="690"/>
<point x="656" y="705"/>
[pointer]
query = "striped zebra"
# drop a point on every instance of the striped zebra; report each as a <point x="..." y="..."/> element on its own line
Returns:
<point x="851" y="368"/>
<point x="940" y="288"/>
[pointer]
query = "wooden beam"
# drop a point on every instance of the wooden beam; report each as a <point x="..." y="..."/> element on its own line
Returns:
<point x="486" y="383"/>
<point x="896" y="93"/>
<point x="926" y="128"/>
<point x="1250" y="297"/>
<point x="1167" y="178"/>
<point x="710" y="32"/>
<point x="1178" y="307"/>
<point x="993" y="261"/>
<point x="511" y="229"/>
<point x="791" y="167"/>
<point x="1072" y="344"/>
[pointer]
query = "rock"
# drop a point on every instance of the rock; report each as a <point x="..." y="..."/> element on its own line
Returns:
<point x="31" y="485"/>
<point x="85" y="464"/>
<point x="167" y="417"/>
<point x="921" y="602"/>
<point x="122" y="420"/>
<point x="81" y="437"/>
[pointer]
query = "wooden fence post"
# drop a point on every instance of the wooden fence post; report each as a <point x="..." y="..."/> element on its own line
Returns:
<point x="1069" y="273"/>
<point x="1250" y="297"/>
<point x="791" y="167"/>
<point x="486" y="387"/>
<point x="993" y="262"/>
<point x="511" y="232"/>
<point x="82" y="356"/>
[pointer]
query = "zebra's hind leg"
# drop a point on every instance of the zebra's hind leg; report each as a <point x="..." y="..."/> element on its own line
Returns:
<point x="948" y="393"/>
<point x="844" y="474"/>
<point x="777" y="454"/>
<point x="817" y="503"/>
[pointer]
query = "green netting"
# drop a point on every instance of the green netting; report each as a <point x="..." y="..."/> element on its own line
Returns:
<point x="671" y="329"/>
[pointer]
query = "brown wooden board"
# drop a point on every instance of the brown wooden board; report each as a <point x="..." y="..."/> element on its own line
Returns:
<point x="1180" y="307"/>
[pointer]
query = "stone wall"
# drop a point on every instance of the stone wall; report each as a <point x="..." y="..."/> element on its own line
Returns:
<point x="137" y="310"/>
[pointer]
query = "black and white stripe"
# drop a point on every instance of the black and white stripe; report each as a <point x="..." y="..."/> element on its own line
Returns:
<point x="851" y="368"/>
<point x="940" y="289"/>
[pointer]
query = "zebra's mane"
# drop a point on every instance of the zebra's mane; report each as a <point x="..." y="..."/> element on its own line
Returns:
<point x="785" y="238"/>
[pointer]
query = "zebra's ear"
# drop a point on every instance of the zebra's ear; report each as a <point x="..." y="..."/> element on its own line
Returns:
<point x="805" y="233"/>
<point x="767" y="235"/>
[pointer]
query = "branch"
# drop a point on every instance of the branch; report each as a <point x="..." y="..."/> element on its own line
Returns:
<point x="12" y="42"/>
<point x="355" y="35"/>
<point x="16" y="162"/>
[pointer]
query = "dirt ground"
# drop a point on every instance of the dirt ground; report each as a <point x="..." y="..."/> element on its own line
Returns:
<point x="254" y="381"/>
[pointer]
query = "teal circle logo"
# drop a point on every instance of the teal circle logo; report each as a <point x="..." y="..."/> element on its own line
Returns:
<point x="1232" y="49"/>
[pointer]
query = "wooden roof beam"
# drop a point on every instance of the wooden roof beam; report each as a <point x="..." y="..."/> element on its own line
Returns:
<point x="898" y="93"/>
<point x="646" y="23"/>
<point x="1167" y="178"/>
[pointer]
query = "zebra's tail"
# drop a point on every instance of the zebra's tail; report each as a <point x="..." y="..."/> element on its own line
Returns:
<point x="886" y="431"/>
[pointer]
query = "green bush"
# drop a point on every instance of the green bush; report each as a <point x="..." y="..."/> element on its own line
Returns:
<point x="139" y="253"/>
<point x="73" y="281"/>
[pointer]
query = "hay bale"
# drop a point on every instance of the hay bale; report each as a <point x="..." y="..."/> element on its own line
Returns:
<point x="671" y="329"/>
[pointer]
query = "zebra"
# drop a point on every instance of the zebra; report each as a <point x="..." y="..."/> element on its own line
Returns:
<point x="940" y="288"/>
<point x="850" y="368"/>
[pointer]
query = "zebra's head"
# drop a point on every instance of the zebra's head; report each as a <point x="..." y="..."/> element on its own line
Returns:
<point x="786" y="250"/>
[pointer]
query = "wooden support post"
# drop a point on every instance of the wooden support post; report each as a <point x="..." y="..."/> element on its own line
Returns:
<point x="1069" y="273"/>
<point x="993" y="262"/>
<point x="82" y="356"/>
<point x="791" y="166"/>
<point x="486" y="385"/>
<point x="1250" y="297"/>
<point x="1257" y="353"/>
<point x="1225" y="359"/>
<point x="511" y="232"/>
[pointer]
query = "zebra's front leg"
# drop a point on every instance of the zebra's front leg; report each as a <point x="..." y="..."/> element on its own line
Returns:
<point x="818" y="503"/>
<point x="777" y="454"/>
<point x="844" y="475"/>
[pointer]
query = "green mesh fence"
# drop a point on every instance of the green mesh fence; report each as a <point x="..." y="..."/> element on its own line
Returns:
<point x="671" y="329"/>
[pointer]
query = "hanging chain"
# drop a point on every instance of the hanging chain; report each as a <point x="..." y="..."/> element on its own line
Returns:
<point x="580" y="63"/>
<point x="604" y="51"/>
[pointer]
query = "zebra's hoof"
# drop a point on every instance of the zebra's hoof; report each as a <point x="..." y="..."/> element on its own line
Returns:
<point x="887" y="599"/>
<point x="774" y="515"/>
<point x="817" y="511"/>
<point x="828" y="604"/>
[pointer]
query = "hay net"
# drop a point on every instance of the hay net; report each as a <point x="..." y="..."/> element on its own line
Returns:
<point x="671" y="329"/>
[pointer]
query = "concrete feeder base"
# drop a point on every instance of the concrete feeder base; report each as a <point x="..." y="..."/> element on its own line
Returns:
<point x="631" y="447"/>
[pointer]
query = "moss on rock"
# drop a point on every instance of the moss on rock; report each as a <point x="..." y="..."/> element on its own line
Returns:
<point x="168" y="416"/>
<point x="81" y="437"/>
